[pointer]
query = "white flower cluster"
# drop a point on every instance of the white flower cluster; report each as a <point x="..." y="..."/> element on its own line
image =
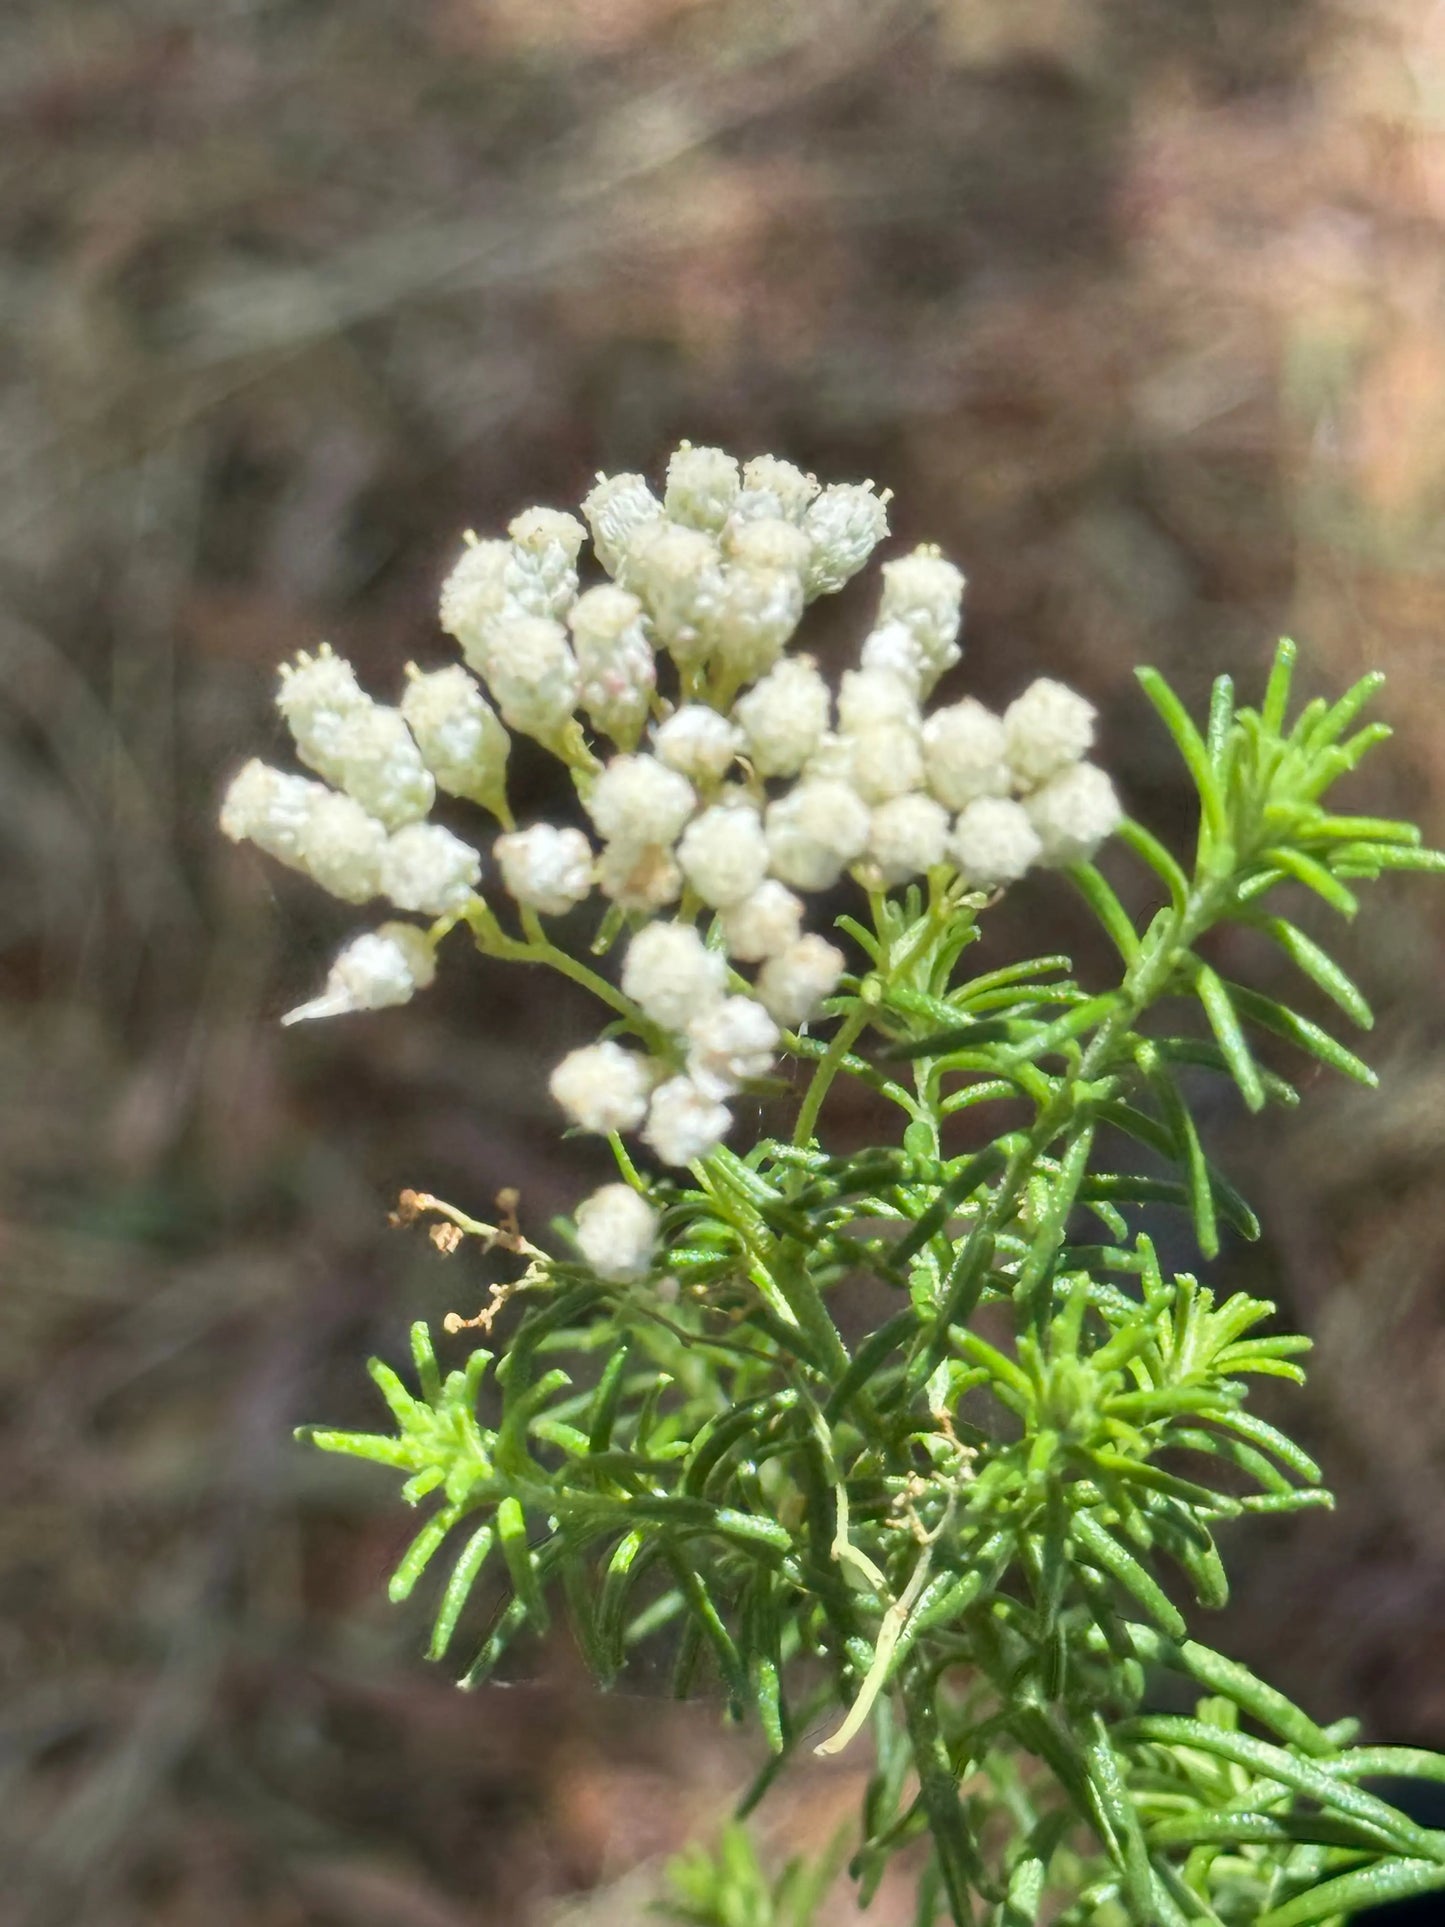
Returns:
<point x="728" y="783"/>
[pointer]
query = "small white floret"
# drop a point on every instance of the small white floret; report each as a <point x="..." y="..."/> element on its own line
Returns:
<point x="767" y="542"/>
<point x="868" y="697"/>
<point x="475" y="595"/>
<point x="603" y="1087"/>
<point x="270" y="808"/>
<point x="543" y="570"/>
<point x="546" y="868"/>
<point x="342" y="848"/>
<point x="702" y="485"/>
<point x="678" y="575"/>
<point x="533" y="674"/>
<point x="845" y="524"/>
<point x="756" y="612"/>
<point x="886" y="760"/>
<point x="617" y="1232"/>
<point x="993" y="842"/>
<point x="1073" y="813"/>
<point x="770" y="478"/>
<point x="964" y="754"/>
<point x="671" y="974"/>
<point x="763" y="923"/>
<point x="730" y="1043"/>
<point x="638" y="799"/>
<point x="427" y="869"/>
<point x="794" y="984"/>
<point x="461" y="740"/>
<point x="615" y="660"/>
<point x="698" y="742"/>
<point x="724" y="854"/>
<point x="906" y="838"/>
<point x="684" y="1123"/>
<point x="784" y="717"/>
<point x="1046" y="728"/>
<point x="315" y="694"/>
<point x="375" y="760"/>
<point x="815" y="831"/>
<point x="640" y="877"/>
<point x="384" y="967"/>
<point x="924" y="592"/>
<point x="616" y="509"/>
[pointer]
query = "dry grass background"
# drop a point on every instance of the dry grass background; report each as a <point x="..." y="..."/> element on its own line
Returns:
<point x="1141" y="310"/>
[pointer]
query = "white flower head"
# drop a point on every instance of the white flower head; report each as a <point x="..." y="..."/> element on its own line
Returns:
<point x="815" y="831"/>
<point x="374" y="759"/>
<point x="617" y="1232"/>
<point x="702" y="485"/>
<point x="616" y="509"/>
<point x="533" y="675"/>
<point x="964" y="754"/>
<point x="767" y="542"/>
<point x="783" y="487"/>
<point x="684" y="1123"/>
<point x="793" y="984"/>
<point x="547" y="868"/>
<point x="724" y="854"/>
<point x="476" y="594"/>
<point x="638" y="799"/>
<point x="764" y="923"/>
<point x="384" y="967"/>
<point x="784" y="717"/>
<point x="270" y="808"/>
<point x="427" y="869"/>
<point x="891" y="647"/>
<point x="615" y="660"/>
<point x="887" y="760"/>
<point x="314" y="695"/>
<point x="698" y="742"/>
<point x="868" y="697"/>
<point x="603" y="1087"/>
<point x="677" y="573"/>
<point x="845" y="524"/>
<point x="756" y="612"/>
<point x="993" y="842"/>
<point x="1046" y="728"/>
<point x="543" y="569"/>
<point x="341" y="848"/>
<point x="924" y="592"/>
<point x="640" y="877"/>
<point x="906" y="838"/>
<point x="460" y="738"/>
<point x="671" y="974"/>
<point x="730" y="1043"/>
<point x="1073" y="813"/>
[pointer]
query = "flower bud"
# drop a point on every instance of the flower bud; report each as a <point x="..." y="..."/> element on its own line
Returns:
<point x="845" y="524"/>
<point x="906" y="838"/>
<point x="784" y="716"/>
<point x="671" y="974"/>
<point x="425" y="868"/>
<point x="617" y="1232"/>
<point x="638" y="799"/>
<point x="616" y="509"/>
<point x="729" y="1044"/>
<point x="993" y="842"/>
<point x="342" y="847"/>
<point x="603" y="1087"/>
<point x="270" y="808"/>
<point x="615" y="661"/>
<point x="814" y="831"/>
<point x="386" y="966"/>
<point x="763" y="923"/>
<point x="457" y="732"/>
<point x="698" y="743"/>
<point x="724" y="854"/>
<point x="793" y="985"/>
<point x="1073" y="813"/>
<point x="532" y="673"/>
<point x="546" y="868"/>
<point x="964" y="754"/>
<point x="684" y="1123"/>
<point x="1046" y="728"/>
<point x="702" y="485"/>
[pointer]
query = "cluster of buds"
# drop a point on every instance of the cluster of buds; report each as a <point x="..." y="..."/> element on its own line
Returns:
<point x="724" y="780"/>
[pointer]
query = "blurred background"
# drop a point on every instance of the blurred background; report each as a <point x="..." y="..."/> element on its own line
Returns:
<point x="1138" y="306"/>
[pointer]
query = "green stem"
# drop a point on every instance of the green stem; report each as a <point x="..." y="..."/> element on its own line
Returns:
<point x="958" y="1861"/>
<point x="827" y="1069"/>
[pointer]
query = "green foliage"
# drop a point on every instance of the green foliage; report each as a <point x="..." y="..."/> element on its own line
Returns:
<point x="979" y="1530"/>
<point x="731" y="1888"/>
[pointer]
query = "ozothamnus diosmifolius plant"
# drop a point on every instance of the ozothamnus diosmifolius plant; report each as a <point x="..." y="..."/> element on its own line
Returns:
<point x="961" y="1540"/>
